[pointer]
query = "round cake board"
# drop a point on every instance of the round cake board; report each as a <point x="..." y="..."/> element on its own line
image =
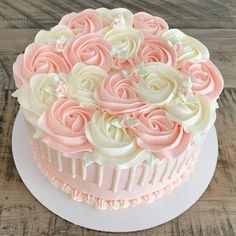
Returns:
<point x="125" y="220"/>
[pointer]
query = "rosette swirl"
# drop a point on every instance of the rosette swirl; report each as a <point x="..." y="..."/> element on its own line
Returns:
<point x="116" y="95"/>
<point x="125" y="41"/>
<point x="206" y="79"/>
<point x="57" y="36"/>
<point x="38" y="58"/>
<point x="84" y="22"/>
<point x="91" y="49"/>
<point x="148" y="24"/>
<point x="158" y="134"/>
<point x="82" y="81"/>
<point x="156" y="49"/>
<point x="63" y="126"/>
<point x="187" y="48"/>
<point x="112" y="145"/>
<point x="195" y="113"/>
<point x="115" y="17"/>
<point x="36" y="96"/>
<point x="158" y="83"/>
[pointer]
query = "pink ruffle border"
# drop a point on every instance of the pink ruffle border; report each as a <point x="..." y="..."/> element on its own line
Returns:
<point x="109" y="204"/>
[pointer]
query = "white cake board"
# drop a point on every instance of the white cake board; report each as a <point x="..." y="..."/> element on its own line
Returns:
<point x="131" y="219"/>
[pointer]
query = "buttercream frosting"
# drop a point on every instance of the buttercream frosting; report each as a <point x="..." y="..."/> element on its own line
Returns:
<point x="111" y="144"/>
<point x="107" y="88"/>
<point x="158" y="83"/>
<point x="63" y="126"/>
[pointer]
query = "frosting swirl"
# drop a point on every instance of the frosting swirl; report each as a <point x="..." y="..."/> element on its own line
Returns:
<point x="158" y="83"/>
<point x="148" y="24"/>
<point x="90" y="49"/>
<point x="206" y="79"/>
<point x="83" y="80"/>
<point x="156" y="49"/>
<point x="37" y="58"/>
<point x="36" y="96"/>
<point x="195" y="113"/>
<point x="84" y="22"/>
<point x="57" y="36"/>
<point x="187" y="48"/>
<point x="111" y="145"/>
<point x="125" y="41"/>
<point x="116" y="95"/>
<point x="63" y="126"/>
<point x="115" y="17"/>
<point x="158" y="134"/>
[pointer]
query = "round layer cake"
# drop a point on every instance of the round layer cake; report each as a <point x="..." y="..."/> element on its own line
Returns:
<point x="117" y="105"/>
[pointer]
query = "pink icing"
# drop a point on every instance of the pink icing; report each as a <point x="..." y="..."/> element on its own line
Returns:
<point x="101" y="203"/>
<point x="116" y="95"/>
<point x="38" y="58"/>
<point x="148" y="24"/>
<point x="206" y="78"/>
<point x="84" y="22"/>
<point x="63" y="127"/>
<point x="91" y="49"/>
<point x="156" y="49"/>
<point x="156" y="133"/>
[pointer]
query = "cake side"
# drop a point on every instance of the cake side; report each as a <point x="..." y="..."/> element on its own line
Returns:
<point x="106" y="187"/>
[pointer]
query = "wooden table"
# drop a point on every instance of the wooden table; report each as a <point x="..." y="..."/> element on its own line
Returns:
<point x="213" y="23"/>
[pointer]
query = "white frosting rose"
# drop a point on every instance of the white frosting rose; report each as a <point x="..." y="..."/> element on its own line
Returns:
<point x="57" y="36"/>
<point x="82" y="81"/>
<point x="125" y="41"/>
<point x="36" y="96"/>
<point x="187" y="48"/>
<point x="158" y="83"/>
<point x="115" y="17"/>
<point x="112" y="145"/>
<point x="196" y="114"/>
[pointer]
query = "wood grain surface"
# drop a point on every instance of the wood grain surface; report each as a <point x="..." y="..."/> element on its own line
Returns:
<point x="213" y="22"/>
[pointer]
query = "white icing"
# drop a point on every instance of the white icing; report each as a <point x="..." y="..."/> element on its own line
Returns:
<point x="82" y="80"/>
<point x="115" y="17"/>
<point x="112" y="145"/>
<point x="125" y="41"/>
<point x="191" y="48"/>
<point x="195" y="114"/>
<point x="36" y="96"/>
<point x="158" y="83"/>
<point x="56" y="37"/>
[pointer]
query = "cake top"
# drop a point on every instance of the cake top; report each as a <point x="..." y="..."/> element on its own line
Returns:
<point x="116" y="87"/>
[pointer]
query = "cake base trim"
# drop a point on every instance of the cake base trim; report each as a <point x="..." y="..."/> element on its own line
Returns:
<point x="109" y="204"/>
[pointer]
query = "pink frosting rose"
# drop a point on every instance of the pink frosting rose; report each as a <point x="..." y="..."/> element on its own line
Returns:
<point x="116" y="96"/>
<point x="156" y="49"/>
<point x="91" y="49"/>
<point x="84" y="22"/>
<point x="149" y="24"/>
<point x="206" y="78"/>
<point x="63" y="125"/>
<point x="37" y="58"/>
<point x="156" y="133"/>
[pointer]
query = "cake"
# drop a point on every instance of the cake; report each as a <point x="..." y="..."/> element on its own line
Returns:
<point x="116" y="104"/>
